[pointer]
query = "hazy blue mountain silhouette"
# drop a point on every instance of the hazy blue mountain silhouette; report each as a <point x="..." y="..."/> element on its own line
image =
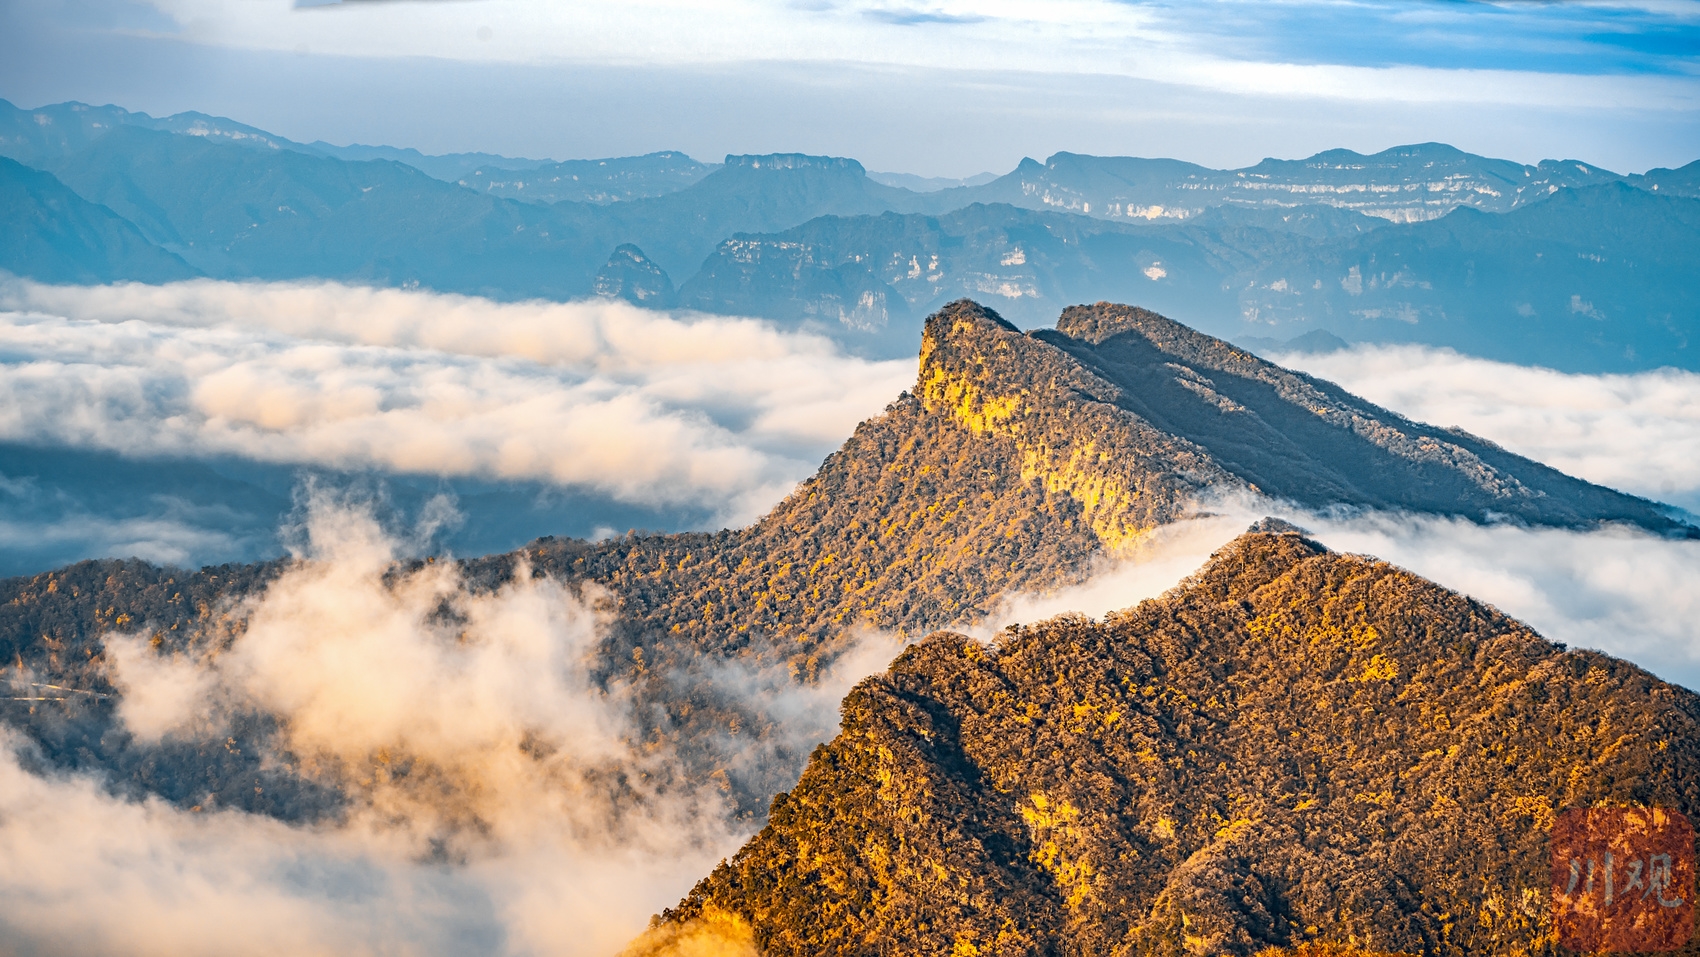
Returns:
<point x="618" y="179"/>
<point x="1560" y="263"/>
<point x="630" y="275"/>
<point x="1591" y="279"/>
<point x="1403" y="184"/>
<point x="54" y="235"/>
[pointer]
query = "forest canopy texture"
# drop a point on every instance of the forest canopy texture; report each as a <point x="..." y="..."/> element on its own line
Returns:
<point x="1293" y="747"/>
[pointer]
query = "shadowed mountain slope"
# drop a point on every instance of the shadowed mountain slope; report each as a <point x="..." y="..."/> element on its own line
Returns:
<point x="1294" y="437"/>
<point x="55" y="235"/>
<point x="238" y="213"/>
<point x="1292" y="745"/>
<point x="1017" y="460"/>
<point x="1587" y="280"/>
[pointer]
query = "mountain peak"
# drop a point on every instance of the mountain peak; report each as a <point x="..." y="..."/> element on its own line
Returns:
<point x="1098" y="322"/>
<point x="634" y="277"/>
<point x="1188" y="412"/>
<point x="960" y="317"/>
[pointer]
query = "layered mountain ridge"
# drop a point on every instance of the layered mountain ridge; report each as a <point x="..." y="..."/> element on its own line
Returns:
<point x="1020" y="455"/>
<point x="1403" y="184"/>
<point x="1292" y="746"/>
<point x="56" y="235"/>
<point x="1018" y="459"/>
<point x="1588" y="280"/>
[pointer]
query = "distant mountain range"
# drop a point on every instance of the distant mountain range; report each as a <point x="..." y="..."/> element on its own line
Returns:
<point x="1403" y="184"/>
<point x="1594" y="279"/>
<point x="588" y="181"/>
<point x="1560" y="263"/>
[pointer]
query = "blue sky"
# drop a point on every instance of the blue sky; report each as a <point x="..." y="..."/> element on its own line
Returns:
<point x="943" y="88"/>
<point x="1594" y="39"/>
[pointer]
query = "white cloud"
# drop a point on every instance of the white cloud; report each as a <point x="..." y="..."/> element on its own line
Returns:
<point x="1618" y="590"/>
<point x="164" y="539"/>
<point x="1637" y="433"/>
<point x="650" y="408"/>
<point x="501" y="800"/>
<point x="91" y="874"/>
<point x="1152" y="567"/>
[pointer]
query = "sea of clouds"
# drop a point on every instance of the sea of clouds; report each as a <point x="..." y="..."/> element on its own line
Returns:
<point x="643" y="406"/>
<point x="501" y="800"/>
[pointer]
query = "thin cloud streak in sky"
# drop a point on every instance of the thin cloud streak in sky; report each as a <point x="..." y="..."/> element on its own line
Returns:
<point x="652" y="409"/>
<point x="924" y="98"/>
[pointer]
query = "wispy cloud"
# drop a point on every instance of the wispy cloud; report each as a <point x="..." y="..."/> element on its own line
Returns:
<point x="1617" y="590"/>
<point x="905" y="16"/>
<point x="473" y="745"/>
<point x="1581" y="38"/>
<point x="1223" y="82"/>
<point x="500" y="801"/>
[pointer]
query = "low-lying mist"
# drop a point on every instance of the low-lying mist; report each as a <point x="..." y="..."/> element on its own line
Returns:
<point x="1616" y="589"/>
<point x="500" y="799"/>
<point x="1635" y="433"/>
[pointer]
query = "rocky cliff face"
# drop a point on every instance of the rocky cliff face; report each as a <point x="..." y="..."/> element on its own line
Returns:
<point x="632" y="276"/>
<point x="1293" y="746"/>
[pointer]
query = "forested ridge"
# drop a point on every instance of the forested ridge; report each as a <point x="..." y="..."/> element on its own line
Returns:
<point x="1292" y="748"/>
